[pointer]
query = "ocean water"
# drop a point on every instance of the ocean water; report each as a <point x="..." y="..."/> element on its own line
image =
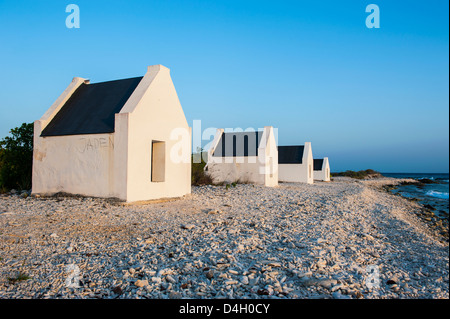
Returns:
<point x="435" y="194"/>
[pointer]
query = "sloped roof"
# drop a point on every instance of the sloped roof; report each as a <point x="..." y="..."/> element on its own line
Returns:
<point x="91" y="108"/>
<point x="318" y="163"/>
<point x="290" y="154"/>
<point x="238" y="144"/>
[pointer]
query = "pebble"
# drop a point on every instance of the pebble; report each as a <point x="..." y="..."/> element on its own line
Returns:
<point x="175" y="295"/>
<point x="170" y="279"/>
<point x="141" y="283"/>
<point x="244" y="280"/>
<point x="292" y="241"/>
<point x="327" y="283"/>
<point x="337" y="287"/>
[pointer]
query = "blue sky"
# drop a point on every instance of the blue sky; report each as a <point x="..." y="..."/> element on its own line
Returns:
<point x="366" y="98"/>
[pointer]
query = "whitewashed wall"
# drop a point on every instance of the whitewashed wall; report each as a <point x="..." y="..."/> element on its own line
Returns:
<point x="270" y="158"/>
<point x="235" y="169"/>
<point x="76" y="164"/>
<point x="119" y="164"/>
<point x="324" y="173"/>
<point x="298" y="173"/>
<point x="152" y="113"/>
<point x="250" y="169"/>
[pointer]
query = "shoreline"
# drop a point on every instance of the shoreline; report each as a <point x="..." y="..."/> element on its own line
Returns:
<point x="438" y="225"/>
<point x="291" y="241"/>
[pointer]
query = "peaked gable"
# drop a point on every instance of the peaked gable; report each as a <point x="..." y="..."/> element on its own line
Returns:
<point x="91" y="108"/>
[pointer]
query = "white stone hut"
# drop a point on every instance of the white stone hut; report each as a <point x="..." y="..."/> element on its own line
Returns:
<point x="127" y="139"/>
<point x="295" y="164"/>
<point x="322" y="169"/>
<point x="249" y="157"/>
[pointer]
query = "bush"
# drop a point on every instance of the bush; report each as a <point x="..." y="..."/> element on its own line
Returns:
<point x="16" y="158"/>
<point x="359" y="174"/>
<point x="19" y="277"/>
<point x="199" y="177"/>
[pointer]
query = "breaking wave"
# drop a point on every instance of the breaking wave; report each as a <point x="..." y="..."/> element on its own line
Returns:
<point x="437" y="194"/>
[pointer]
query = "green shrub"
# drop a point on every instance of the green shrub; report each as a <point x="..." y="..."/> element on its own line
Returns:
<point x="358" y="174"/>
<point x="19" y="277"/>
<point x="16" y="158"/>
<point x="199" y="177"/>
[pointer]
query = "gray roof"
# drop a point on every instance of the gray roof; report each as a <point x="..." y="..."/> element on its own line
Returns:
<point x="290" y="154"/>
<point x="91" y="108"/>
<point x="238" y="144"/>
<point x="318" y="163"/>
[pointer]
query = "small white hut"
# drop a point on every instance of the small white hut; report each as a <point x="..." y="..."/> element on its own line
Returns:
<point x="322" y="169"/>
<point x="115" y="139"/>
<point x="295" y="164"/>
<point x="244" y="156"/>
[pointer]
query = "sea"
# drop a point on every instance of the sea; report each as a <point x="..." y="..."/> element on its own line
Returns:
<point x="433" y="195"/>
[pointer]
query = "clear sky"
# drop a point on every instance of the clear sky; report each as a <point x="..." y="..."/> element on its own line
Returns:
<point x="366" y="98"/>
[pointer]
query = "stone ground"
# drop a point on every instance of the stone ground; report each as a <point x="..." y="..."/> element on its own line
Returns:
<point x="343" y="239"/>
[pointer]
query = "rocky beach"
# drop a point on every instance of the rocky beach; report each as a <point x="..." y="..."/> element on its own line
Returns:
<point x="346" y="239"/>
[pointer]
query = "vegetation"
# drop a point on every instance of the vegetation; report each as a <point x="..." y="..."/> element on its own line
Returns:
<point x="227" y="186"/>
<point x="368" y="173"/>
<point x="198" y="176"/>
<point x="19" y="277"/>
<point x="16" y="158"/>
